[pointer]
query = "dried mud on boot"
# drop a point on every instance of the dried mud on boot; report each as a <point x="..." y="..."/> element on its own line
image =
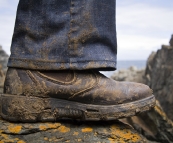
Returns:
<point x="33" y="109"/>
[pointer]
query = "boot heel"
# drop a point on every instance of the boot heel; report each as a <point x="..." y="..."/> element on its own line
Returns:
<point x="32" y="109"/>
<point x="21" y="108"/>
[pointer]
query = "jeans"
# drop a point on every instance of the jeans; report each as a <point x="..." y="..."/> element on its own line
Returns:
<point x="64" y="34"/>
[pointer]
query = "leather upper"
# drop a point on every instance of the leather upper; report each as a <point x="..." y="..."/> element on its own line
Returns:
<point x="90" y="87"/>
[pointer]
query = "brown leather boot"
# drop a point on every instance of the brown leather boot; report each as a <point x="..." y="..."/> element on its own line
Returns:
<point x="31" y="96"/>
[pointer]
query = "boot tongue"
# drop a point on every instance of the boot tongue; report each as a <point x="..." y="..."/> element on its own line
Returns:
<point x="62" y="75"/>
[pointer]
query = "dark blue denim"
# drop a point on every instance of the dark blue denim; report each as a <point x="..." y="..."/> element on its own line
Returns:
<point x="64" y="34"/>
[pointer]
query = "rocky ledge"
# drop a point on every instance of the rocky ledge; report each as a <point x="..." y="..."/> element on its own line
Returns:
<point x="69" y="131"/>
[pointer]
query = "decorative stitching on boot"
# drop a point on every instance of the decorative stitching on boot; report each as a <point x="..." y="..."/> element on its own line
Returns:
<point x="86" y="89"/>
<point x="57" y="81"/>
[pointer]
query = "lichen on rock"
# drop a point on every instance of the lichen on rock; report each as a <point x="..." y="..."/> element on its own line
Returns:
<point x="69" y="131"/>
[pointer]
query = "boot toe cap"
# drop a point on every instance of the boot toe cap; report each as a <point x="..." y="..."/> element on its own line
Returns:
<point x="127" y="92"/>
<point x="138" y="91"/>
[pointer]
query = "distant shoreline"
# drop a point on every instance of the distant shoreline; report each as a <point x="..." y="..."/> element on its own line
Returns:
<point x="125" y="64"/>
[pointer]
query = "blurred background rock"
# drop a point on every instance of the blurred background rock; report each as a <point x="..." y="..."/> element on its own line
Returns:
<point x="3" y="67"/>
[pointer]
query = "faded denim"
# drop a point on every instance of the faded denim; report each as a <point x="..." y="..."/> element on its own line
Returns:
<point x="64" y="34"/>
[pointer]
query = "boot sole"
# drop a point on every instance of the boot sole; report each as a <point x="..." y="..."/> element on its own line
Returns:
<point x="33" y="109"/>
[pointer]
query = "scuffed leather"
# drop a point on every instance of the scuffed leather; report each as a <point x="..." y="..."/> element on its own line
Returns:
<point x="90" y="87"/>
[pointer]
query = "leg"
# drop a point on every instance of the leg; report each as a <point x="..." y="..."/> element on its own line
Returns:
<point x="57" y="49"/>
<point x="66" y="34"/>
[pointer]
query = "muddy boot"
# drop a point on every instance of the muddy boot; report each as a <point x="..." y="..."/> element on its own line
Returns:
<point x="31" y="96"/>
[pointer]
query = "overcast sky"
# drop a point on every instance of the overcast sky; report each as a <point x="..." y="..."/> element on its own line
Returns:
<point x="142" y="26"/>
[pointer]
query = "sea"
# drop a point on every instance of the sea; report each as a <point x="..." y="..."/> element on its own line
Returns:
<point x="126" y="64"/>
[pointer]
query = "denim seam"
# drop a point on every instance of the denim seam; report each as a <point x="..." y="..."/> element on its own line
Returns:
<point x="27" y="60"/>
<point x="70" y="30"/>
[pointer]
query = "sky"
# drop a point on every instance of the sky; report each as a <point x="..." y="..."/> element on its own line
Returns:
<point x="142" y="26"/>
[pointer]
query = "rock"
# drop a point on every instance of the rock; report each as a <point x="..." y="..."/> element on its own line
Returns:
<point x="3" y="67"/>
<point x="3" y="59"/>
<point x="159" y="76"/>
<point x="154" y="125"/>
<point x="171" y="41"/>
<point x="130" y="74"/>
<point x="69" y="131"/>
<point x="2" y="78"/>
<point x="148" y="68"/>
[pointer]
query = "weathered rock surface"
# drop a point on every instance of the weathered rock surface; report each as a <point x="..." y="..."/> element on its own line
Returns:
<point x="159" y="76"/>
<point x="154" y="125"/>
<point x="69" y="131"/>
<point x="2" y="78"/>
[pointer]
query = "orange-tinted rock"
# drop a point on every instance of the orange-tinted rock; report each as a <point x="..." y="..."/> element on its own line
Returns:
<point x="154" y="125"/>
<point x="69" y="131"/>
